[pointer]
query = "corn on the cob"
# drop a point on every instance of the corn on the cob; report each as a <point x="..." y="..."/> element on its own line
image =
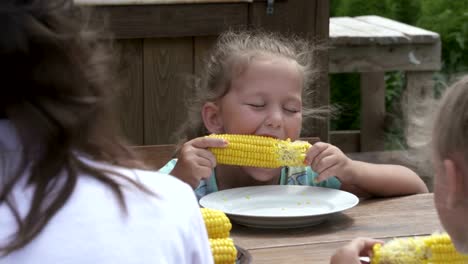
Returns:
<point x="218" y="227"/>
<point x="437" y="248"/>
<point x="216" y="222"/>
<point x="223" y="250"/>
<point x="260" y="151"/>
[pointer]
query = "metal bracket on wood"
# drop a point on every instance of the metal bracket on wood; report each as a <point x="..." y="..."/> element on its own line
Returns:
<point x="270" y="9"/>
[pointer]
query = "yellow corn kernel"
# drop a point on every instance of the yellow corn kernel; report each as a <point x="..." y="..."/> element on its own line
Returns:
<point x="223" y="250"/>
<point x="216" y="222"/>
<point x="218" y="227"/>
<point x="434" y="249"/>
<point x="260" y="151"/>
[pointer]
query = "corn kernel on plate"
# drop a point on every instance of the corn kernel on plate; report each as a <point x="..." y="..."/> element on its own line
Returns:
<point x="280" y="206"/>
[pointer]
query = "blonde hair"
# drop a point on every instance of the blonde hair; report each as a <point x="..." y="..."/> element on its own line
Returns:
<point x="450" y="129"/>
<point x="231" y="55"/>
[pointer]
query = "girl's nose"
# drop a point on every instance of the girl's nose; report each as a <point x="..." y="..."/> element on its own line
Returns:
<point x="274" y="119"/>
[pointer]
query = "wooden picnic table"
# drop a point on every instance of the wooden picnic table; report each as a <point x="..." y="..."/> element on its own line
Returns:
<point x="383" y="218"/>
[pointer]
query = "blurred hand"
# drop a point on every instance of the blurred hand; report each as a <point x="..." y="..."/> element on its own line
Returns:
<point x="327" y="160"/>
<point x="350" y="253"/>
<point x="195" y="162"/>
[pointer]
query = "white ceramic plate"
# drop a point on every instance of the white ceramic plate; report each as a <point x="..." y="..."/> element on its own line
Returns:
<point x="279" y="206"/>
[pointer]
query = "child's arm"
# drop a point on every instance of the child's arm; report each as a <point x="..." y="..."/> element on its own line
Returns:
<point x="369" y="179"/>
<point x="350" y="253"/>
<point x="361" y="178"/>
<point x="195" y="162"/>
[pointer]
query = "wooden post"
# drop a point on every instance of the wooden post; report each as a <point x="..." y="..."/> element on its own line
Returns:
<point x="372" y="111"/>
<point x="417" y="106"/>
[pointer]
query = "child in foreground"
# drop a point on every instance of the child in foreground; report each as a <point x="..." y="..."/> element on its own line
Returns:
<point x="450" y="159"/>
<point x="259" y="84"/>
<point x="71" y="191"/>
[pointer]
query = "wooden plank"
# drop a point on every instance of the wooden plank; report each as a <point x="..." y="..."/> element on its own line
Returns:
<point x="373" y="33"/>
<point x="341" y="35"/>
<point x="379" y="218"/>
<point x="308" y="19"/>
<point x="378" y="58"/>
<point x="202" y="46"/>
<point x="151" y="2"/>
<point x="131" y="99"/>
<point x="147" y="21"/>
<point x="347" y="140"/>
<point x="372" y="111"/>
<point x="310" y="253"/>
<point x="415" y="34"/>
<point x="167" y="63"/>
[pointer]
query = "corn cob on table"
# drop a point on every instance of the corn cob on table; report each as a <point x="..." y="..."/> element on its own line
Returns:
<point x="260" y="151"/>
<point x="434" y="249"/>
<point x="218" y="227"/>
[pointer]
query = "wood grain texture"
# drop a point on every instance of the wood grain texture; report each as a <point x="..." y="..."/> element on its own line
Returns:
<point x="346" y="140"/>
<point x="372" y="111"/>
<point x="167" y="64"/>
<point x="131" y="70"/>
<point x="379" y="218"/>
<point x="202" y="46"/>
<point x="151" y="2"/>
<point x="368" y="33"/>
<point x="382" y="58"/>
<point x="414" y="34"/>
<point x="148" y="21"/>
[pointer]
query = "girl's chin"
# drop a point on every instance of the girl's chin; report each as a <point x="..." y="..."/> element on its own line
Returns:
<point x="262" y="175"/>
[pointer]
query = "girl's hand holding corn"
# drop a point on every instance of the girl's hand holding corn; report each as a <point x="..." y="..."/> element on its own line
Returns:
<point x="328" y="160"/>
<point x="350" y="254"/>
<point x="195" y="162"/>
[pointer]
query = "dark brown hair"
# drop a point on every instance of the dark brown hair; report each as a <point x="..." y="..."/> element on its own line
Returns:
<point x="57" y="90"/>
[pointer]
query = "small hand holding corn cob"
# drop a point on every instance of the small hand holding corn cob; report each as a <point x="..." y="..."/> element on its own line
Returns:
<point x="219" y="226"/>
<point x="260" y="151"/>
<point x="437" y="248"/>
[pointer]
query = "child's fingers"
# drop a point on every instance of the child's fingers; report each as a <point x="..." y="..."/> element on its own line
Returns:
<point x="315" y="151"/>
<point x="208" y="142"/>
<point x="364" y="245"/>
<point x="318" y="160"/>
<point x="327" y="173"/>
<point x="206" y="158"/>
<point x="325" y="163"/>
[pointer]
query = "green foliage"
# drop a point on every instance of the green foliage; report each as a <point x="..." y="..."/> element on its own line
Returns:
<point x="449" y="18"/>
<point x="406" y="11"/>
<point x="343" y="88"/>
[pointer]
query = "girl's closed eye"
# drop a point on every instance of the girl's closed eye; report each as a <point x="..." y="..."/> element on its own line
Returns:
<point x="292" y="109"/>
<point x="256" y="104"/>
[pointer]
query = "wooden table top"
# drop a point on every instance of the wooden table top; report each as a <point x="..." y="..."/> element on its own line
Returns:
<point x="384" y="219"/>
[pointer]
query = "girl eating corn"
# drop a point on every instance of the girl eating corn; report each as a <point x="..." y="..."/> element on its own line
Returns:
<point x="450" y="159"/>
<point x="257" y="83"/>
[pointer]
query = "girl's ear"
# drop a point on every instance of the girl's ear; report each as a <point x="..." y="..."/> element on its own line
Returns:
<point x="212" y="118"/>
<point x="454" y="175"/>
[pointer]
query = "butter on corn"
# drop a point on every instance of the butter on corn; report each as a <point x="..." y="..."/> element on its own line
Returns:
<point x="260" y="151"/>
<point x="434" y="249"/>
<point x="218" y="227"/>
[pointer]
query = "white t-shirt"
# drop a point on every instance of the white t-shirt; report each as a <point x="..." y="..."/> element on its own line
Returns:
<point x="92" y="228"/>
